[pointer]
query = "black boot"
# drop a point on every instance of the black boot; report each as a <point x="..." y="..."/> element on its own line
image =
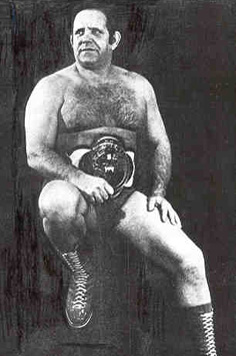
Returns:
<point x="80" y="293"/>
<point x="201" y="326"/>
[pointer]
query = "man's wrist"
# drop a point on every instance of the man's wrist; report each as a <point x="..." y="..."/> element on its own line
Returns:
<point x="158" y="193"/>
<point x="158" y="189"/>
<point x="75" y="176"/>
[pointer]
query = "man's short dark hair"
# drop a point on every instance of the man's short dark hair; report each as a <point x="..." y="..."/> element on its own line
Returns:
<point x="107" y="10"/>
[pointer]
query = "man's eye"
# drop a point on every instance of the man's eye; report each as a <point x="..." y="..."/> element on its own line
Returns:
<point x="96" y="31"/>
<point x="79" y="32"/>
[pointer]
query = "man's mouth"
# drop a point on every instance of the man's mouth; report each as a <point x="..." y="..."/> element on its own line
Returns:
<point x="87" y="50"/>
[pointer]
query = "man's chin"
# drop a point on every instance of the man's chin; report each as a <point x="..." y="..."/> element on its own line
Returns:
<point x="88" y="64"/>
<point x="87" y="58"/>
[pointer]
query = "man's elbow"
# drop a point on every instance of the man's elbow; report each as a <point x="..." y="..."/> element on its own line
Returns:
<point x="162" y="144"/>
<point x="33" y="159"/>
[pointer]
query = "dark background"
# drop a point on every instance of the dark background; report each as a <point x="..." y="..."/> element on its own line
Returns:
<point x="187" y="50"/>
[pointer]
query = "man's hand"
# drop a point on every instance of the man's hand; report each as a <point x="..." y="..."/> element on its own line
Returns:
<point x="96" y="190"/>
<point x="165" y="208"/>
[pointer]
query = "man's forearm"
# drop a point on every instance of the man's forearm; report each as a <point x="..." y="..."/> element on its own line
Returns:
<point x="161" y="168"/>
<point x="50" y="164"/>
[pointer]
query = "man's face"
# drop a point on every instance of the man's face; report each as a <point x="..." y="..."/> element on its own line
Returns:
<point x="90" y="39"/>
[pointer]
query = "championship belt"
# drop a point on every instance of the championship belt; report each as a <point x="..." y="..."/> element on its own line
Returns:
<point x="108" y="159"/>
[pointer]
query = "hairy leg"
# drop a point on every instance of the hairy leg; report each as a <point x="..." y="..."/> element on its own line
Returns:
<point x="169" y="247"/>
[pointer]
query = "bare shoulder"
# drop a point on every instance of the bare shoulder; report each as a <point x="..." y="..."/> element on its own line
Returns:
<point x="52" y="86"/>
<point x="135" y="81"/>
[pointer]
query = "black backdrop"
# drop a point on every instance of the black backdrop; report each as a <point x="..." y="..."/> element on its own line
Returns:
<point x="187" y="50"/>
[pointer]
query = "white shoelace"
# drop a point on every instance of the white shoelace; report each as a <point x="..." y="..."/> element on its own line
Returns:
<point x="80" y="278"/>
<point x="209" y="348"/>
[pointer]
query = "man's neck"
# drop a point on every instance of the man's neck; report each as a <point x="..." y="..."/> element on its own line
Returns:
<point x="94" y="75"/>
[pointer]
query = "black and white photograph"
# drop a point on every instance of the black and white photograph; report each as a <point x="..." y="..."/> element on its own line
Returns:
<point x="118" y="187"/>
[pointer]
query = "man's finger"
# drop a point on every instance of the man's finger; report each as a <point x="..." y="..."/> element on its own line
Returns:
<point x="109" y="188"/>
<point x="98" y="198"/>
<point x="164" y="212"/>
<point x="103" y="193"/>
<point x="91" y="199"/>
<point x="178" y="221"/>
<point x="172" y="217"/>
<point x="151" y="203"/>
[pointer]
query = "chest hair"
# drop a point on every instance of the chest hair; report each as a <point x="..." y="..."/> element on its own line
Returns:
<point x="107" y="105"/>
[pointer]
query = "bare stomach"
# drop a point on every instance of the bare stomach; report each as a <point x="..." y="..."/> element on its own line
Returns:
<point x="68" y="142"/>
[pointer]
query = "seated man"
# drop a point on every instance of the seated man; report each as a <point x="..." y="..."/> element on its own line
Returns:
<point x="88" y="128"/>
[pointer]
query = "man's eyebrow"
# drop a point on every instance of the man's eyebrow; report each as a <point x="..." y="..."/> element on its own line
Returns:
<point x="95" y="28"/>
<point x="91" y="28"/>
<point x="79" y="29"/>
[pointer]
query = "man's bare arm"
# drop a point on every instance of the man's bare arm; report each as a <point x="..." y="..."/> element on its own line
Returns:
<point x="161" y="159"/>
<point x="41" y="124"/>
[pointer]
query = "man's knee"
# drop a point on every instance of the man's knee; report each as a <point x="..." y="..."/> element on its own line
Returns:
<point x="192" y="266"/>
<point x="62" y="199"/>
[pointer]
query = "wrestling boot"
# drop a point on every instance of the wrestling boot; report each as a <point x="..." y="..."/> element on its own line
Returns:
<point x="80" y="293"/>
<point x="202" y="330"/>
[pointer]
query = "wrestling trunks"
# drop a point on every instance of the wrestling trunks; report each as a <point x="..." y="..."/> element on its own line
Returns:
<point x="107" y="159"/>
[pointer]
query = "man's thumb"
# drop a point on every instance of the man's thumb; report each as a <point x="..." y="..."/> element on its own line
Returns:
<point x="151" y="203"/>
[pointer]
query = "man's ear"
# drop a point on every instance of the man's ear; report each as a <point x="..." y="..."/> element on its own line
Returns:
<point x="115" y="40"/>
<point x="71" y="40"/>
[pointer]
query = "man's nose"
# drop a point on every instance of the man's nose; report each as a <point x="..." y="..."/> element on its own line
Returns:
<point x="87" y="35"/>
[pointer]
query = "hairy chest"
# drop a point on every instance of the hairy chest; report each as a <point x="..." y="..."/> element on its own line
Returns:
<point x="109" y="105"/>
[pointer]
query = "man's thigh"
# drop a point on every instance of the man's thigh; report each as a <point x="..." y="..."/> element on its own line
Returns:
<point x="166" y="244"/>
<point x="63" y="199"/>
